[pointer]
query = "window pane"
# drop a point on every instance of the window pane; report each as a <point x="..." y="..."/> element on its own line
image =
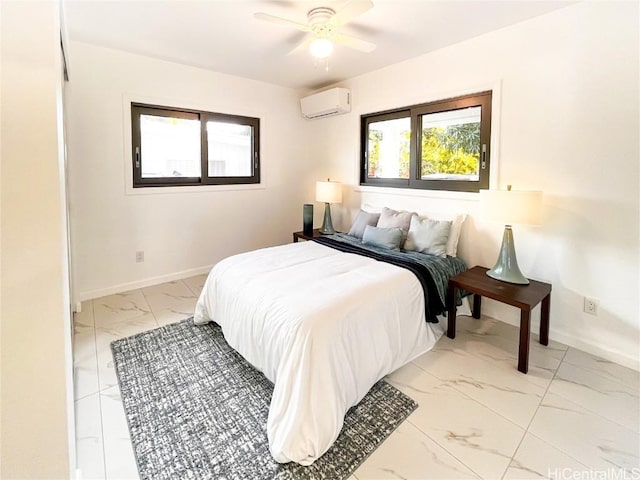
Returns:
<point x="170" y="147"/>
<point x="451" y="145"/>
<point x="388" y="148"/>
<point x="229" y="149"/>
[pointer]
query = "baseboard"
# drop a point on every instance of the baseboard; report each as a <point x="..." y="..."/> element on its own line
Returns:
<point x="616" y="357"/>
<point x="620" y="358"/>
<point x="147" y="282"/>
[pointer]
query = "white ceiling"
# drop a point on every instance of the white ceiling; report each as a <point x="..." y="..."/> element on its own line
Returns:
<point x="223" y="35"/>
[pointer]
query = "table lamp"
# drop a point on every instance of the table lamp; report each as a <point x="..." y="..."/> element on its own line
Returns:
<point x="510" y="207"/>
<point x="328" y="192"/>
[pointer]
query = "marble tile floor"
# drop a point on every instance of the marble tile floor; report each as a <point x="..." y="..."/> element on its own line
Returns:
<point x="572" y="416"/>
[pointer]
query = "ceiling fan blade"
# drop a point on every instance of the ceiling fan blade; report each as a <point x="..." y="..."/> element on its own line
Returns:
<point x="282" y="21"/>
<point x="353" y="42"/>
<point x="350" y="11"/>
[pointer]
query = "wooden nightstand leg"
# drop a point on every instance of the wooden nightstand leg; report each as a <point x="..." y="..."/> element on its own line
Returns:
<point x="523" y="353"/>
<point x="477" y="301"/>
<point x="295" y="238"/>
<point x="451" y="314"/>
<point x="544" y="320"/>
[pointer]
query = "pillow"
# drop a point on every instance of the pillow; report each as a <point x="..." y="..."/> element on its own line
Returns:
<point x="456" y="227"/>
<point x="394" y="219"/>
<point x="362" y="220"/>
<point x="383" y="237"/>
<point x="428" y="236"/>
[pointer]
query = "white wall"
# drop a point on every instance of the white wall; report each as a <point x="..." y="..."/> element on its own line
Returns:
<point x="35" y="358"/>
<point x="568" y="125"/>
<point x="191" y="228"/>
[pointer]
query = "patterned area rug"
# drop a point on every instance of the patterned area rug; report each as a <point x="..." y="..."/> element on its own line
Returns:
<point x="197" y="410"/>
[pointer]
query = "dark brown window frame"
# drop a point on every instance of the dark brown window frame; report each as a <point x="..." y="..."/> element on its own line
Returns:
<point x="138" y="109"/>
<point x="414" y="112"/>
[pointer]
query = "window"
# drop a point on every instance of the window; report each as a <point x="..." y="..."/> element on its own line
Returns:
<point x="176" y="147"/>
<point x="441" y="145"/>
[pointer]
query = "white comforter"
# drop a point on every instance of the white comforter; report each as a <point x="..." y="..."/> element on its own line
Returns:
<point x="323" y="326"/>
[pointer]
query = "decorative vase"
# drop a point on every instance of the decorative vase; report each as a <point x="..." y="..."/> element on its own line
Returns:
<point x="307" y="219"/>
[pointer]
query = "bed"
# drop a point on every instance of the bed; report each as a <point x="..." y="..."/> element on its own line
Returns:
<point x="324" y="321"/>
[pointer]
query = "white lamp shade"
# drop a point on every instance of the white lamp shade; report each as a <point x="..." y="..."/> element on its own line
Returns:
<point x="511" y="207"/>
<point x="329" y="192"/>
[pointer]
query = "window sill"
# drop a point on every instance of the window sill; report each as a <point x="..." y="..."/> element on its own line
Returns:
<point x="193" y="189"/>
<point x="413" y="192"/>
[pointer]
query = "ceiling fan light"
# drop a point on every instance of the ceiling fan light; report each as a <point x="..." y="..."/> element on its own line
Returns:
<point x="321" y="47"/>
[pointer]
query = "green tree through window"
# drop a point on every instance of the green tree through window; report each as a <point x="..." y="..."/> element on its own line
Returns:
<point x="375" y="137"/>
<point x="451" y="150"/>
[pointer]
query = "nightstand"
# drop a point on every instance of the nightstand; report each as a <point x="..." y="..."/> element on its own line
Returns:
<point x="301" y="235"/>
<point x="525" y="297"/>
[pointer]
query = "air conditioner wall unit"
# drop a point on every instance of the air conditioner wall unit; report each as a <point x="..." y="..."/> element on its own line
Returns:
<point x="324" y="104"/>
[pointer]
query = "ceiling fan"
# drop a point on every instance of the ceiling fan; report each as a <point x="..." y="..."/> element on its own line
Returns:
<point x="323" y="24"/>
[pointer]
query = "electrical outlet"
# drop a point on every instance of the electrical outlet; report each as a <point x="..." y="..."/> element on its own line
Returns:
<point x="590" y="306"/>
<point x="139" y="256"/>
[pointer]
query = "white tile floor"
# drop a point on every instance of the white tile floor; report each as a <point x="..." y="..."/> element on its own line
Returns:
<point x="573" y="415"/>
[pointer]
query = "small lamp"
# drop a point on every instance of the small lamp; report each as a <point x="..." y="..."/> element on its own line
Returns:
<point x="328" y="192"/>
<point x="510" y="207"/>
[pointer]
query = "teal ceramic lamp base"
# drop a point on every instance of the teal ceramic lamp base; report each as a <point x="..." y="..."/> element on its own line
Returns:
<point x="506" y="268"/>
<point x="327" y="225"/>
